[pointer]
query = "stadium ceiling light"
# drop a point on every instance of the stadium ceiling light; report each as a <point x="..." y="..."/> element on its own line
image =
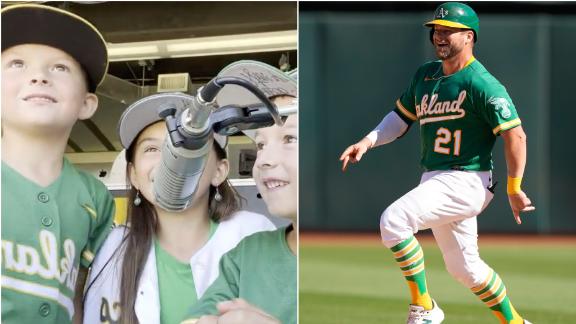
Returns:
<point x="204" y="46"/>
<point x="128" y="50"/>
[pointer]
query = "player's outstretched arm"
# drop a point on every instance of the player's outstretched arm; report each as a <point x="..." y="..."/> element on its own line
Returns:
<point x="515" y="151"/>
<point x="354" y="152"/>
<point x="390" y="128"/>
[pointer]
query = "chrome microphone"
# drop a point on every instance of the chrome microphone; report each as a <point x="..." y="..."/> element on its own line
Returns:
<point x="190" y="136"/>
<point x="184" y="153"/>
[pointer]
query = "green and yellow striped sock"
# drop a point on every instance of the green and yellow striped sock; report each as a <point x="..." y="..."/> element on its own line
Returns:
<point x="493" y="293"/>
<point x="410" y="258"/>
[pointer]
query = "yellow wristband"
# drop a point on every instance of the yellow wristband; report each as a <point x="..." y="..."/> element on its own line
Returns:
<point x="514" y="185"/>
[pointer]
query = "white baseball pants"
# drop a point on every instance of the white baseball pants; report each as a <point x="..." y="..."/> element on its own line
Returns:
<point x="448" y="203"/>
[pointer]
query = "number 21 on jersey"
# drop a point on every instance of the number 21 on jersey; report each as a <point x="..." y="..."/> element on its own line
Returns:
<point x="443" y="140"/>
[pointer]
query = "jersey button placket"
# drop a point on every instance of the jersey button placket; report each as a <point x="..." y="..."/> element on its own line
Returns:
<point x="43" y="197"/>
<point x="44" y="309"/>
<point x="47" y="221"/>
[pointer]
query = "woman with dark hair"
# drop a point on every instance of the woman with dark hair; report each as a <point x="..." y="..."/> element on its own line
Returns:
<point x="148" y="270"/>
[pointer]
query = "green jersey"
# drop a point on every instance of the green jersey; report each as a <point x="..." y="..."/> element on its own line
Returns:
<point x="47" y="232"/>
<point x="262" y="271"/>
<point x="175" y="279"/>
<point x="460" y="115"/>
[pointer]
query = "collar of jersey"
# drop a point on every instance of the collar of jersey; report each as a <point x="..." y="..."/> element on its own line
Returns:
<point x="435" y="77"/>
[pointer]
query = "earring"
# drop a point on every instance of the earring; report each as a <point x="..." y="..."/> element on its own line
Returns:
<point x="218" y="196"/>
<point x="137" y="200"/>
<point x="259" y="196"/>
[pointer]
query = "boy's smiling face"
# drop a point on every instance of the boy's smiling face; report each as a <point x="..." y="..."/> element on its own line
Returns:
<point x="43" y="88"/>
<point x="276" y="167"/>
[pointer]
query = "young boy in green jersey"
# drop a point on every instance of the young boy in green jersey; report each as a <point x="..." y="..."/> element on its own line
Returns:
<point x="54" y="217"/>
<point x="461" y="109"/>
<point x="257" y="281"/>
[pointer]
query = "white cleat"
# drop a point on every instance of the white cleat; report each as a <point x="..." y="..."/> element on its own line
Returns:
<point x="418" y="315"/>
<point x="526" y="322"/>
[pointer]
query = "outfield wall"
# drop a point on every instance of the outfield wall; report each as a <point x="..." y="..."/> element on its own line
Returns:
<point x="355" y="63"/>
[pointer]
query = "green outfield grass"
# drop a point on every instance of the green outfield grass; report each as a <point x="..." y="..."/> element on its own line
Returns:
<point x="362" y="284"/>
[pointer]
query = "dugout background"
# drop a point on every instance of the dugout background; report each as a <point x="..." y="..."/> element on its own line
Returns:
<point x="356" y="60"/>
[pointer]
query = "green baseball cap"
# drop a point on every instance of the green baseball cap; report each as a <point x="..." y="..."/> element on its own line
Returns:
<point x="457" y="15"/>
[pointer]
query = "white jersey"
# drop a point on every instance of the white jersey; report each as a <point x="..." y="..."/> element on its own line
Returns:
<point x="103" y="295"/>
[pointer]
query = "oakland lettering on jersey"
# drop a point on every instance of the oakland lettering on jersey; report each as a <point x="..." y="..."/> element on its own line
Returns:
<point x="432" y="111"/>
<point x="26" y="259"/>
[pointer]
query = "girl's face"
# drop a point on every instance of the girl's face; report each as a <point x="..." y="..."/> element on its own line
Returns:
<point x="147" y="156"/>
<point x="276" y="167"/>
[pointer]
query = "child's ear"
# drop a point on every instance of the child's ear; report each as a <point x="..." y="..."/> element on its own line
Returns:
<point x="222" y="170"/>
<point x="89" y="107"/>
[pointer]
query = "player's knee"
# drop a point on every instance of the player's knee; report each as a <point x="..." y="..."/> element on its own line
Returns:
<point x="460" y="273"/>
<point x="469" y="273"/>
<point x="387" y="221"/>
<point x="393" y="226"/>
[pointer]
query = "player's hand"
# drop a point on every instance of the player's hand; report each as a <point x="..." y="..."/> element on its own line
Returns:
<point x="354" y="153"/>
<point x="520" y="203"/>
<point x="239" y="311"/>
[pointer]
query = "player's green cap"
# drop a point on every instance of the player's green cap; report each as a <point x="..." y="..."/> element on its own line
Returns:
<point x="270" y="80"/>
<point x="456" y="14"/>
<point x="45" y="25"/>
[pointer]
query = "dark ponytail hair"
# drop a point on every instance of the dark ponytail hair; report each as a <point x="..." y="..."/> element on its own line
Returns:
<point x="143" y="225"/>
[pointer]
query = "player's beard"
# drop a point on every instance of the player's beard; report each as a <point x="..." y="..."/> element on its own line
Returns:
<point x="447" y="51"/>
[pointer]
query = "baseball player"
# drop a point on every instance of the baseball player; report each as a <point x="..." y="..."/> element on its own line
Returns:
<point x="54" y="217"/>
<point x="461" y="109"/>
